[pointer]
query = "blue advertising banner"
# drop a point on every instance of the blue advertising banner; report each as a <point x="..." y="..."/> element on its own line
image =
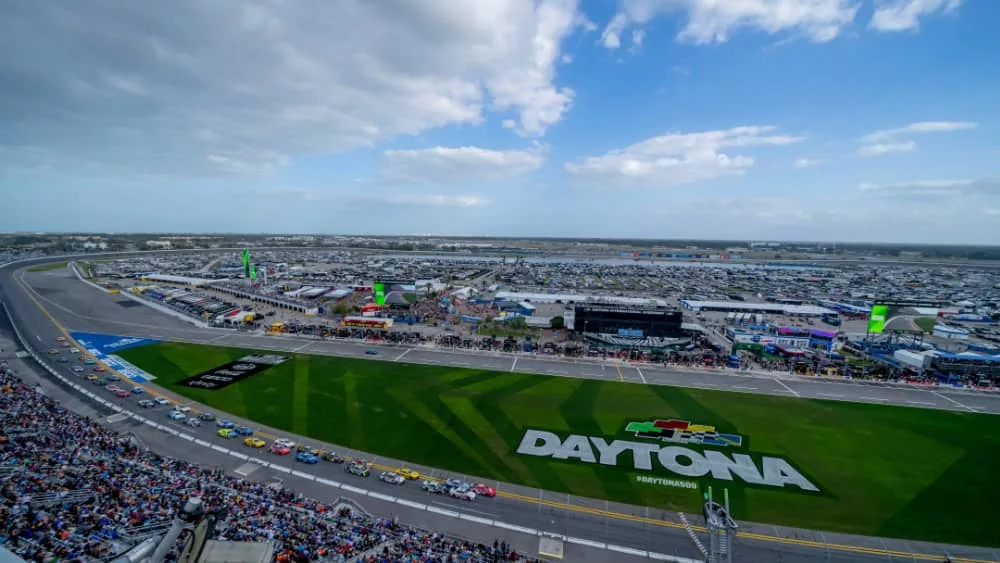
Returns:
<point x="104" y="346"/>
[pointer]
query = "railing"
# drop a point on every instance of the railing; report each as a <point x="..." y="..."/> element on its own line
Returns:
<point x="62" y="498"/>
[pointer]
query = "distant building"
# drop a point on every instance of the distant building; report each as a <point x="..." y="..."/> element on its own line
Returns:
<point x="161" y="244"/>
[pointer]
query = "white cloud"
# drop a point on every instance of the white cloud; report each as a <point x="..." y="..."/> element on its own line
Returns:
<point x="936" y="188"/>
<point x="887" y="141"/>
<point x="901" y="15"/>
<point x="806" y="162"/>
<point x="879" y="149"/>
<point x="919" y="127"/>
<point x="430" y="200"/>
<point x="712" y="21"/>
<point x="452" y="165"/>
<point x="286" y="79"/>
<point x="677" y="158"/>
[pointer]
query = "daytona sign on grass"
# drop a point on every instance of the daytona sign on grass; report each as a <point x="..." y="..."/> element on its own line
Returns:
<point x="678" y="460"/>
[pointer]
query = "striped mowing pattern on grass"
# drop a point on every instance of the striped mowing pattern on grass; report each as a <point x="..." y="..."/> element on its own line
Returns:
<point x="886" y="471"/>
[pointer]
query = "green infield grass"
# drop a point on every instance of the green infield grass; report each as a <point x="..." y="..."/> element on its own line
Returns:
<point x="926" y="324"/>
<point x="886" y="471"/>
<point x="48" y="267"/>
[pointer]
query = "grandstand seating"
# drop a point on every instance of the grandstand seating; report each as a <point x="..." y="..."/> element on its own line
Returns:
<point x="72" y="490"/>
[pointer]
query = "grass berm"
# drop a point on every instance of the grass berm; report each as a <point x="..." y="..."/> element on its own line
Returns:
<point x="888" y="471"/>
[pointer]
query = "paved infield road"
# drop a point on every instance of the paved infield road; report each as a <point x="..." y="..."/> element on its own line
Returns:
<point x="76" y="307"/>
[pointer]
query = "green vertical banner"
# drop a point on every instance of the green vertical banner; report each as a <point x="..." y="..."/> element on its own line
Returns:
<point x="246" y="262"/>
<point x="379" y="290"/>
<point x="253" y="273"/>
<point x="876" y="320"/>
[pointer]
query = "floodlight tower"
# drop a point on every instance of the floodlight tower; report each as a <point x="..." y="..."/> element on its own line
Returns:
<point x="721" y="529"/>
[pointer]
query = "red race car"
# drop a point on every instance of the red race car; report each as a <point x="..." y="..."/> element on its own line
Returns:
<point x="280" y="450"/>
<point x="484" y="491"/>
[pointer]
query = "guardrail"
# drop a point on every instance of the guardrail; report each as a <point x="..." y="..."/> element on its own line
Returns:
<point x="350" y="489"/>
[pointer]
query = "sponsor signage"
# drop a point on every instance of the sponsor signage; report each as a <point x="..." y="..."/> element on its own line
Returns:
<point x="103" y="347"/>
<point x="876" y="320"/>
<point x="127" y="369"/>
<point x="379" y="291"/>
<point x="233" y="372"/>
<point x="661" y="453"/>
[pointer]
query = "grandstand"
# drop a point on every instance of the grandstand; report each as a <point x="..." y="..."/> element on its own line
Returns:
<point x="73" y="490"/>
<point x="629" y="322"/>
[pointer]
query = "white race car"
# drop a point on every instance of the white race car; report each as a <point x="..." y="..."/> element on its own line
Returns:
<point x="464" y="494"/>
<point x="391" y="478"/>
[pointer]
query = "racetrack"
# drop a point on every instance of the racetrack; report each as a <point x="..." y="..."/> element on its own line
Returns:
<point x="79" y="308"/>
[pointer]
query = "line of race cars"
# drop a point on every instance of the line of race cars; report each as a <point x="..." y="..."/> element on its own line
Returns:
<point x="304" y="453"/>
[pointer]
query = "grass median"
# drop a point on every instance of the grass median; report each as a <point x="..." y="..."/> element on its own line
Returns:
<point x="48" y="267"/>
<point x="882" y="470"/>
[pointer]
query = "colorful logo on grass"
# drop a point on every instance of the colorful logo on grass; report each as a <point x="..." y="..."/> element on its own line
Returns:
<point x="683" y="432"/>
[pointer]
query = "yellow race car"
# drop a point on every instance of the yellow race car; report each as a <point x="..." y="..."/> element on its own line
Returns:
<point x="254" y="442"/>
<point x="408" y="473"/>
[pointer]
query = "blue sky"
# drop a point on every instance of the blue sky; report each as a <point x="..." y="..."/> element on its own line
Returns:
<point x="848" y="120"/>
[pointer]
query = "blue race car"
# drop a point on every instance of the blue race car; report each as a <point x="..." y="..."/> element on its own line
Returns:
<point x="244" y="431"/>
<point x="306" y="457"/>
<point x="225" y="423"/>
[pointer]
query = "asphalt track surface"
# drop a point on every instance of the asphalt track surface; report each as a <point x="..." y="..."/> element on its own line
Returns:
<point x="56" y="302"/>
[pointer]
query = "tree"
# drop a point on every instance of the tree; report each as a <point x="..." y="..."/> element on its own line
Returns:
<point x="557" y="323"/>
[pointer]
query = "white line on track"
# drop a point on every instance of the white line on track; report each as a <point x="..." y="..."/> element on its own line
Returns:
<point x="513" y="365"/>
<point x="642" y="377"/>
<point x="874" y="399"/>
<point x="405" y="352"/>
<point x="303" y="347"/>
<point x="218" y="338"/>
<point x="947" y="398"/>
<point x="925" y="403"/>
<point x="790" y="390"/>
<point x="743" y="387"/>
<point x="833" y="395"/>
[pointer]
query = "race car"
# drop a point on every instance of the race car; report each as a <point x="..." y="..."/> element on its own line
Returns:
<point x="391" y="478"/>
<point x="227" y="433"/>
<point x="121" y="393"/>
<point x="254" y="442"/>
<point x="371" y="352"/>
<point x="138" y="390"/>
<point x="64" y="344"/>
<point x="182" y="408"/>
<point x="147" y="403"/>
<point x="162" y="401"/>
<point x="207" y="416"/>
<point x="456" y="484"/>
<point x="112" y="387"/>
<point x="433" y="487"/>
<point x="62" y="360"/>
<point x="225" y="423"/>
<point x="92" y="377"/>
<point x="278" y="449"/>
<point x="463" y="494"/>
<point x="332" y="457"/>
<point x="53" y="351"/>
<point x="306" y="448"/>
<point x="74" y="350"/>
<point x="174" y="415"/>
<point x="193" y="422"/>
<point x="285" y="442"/>
<point x="77" y="369"/>
<point x="100" y="369"/>
<point x="484" y="491"/>
<point x="114" y="379"/>
<point x="359" y="470"/>
<point x="306" y="457"/>
<point x="244" y="431"/>
<point x="407" y="473"/>
<point x="60" y="339"/>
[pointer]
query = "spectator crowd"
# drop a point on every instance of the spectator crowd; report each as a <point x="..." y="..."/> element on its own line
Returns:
<point x="73" y="490"/>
